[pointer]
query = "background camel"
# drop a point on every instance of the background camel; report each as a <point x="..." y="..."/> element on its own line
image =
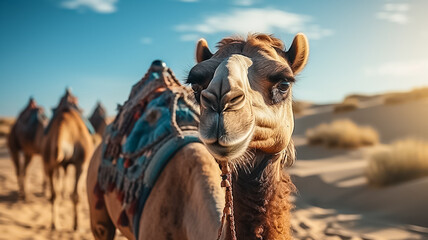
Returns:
<point x="67" y="141"/>
<point x="246" y="120"/>
<point x="25" y="137"/>
<point x="98" y="119"/>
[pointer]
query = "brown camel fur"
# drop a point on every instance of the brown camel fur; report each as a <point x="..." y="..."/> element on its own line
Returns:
<point x="244" y="91"/>
<point x="67" y="141"/>
<point x="25" y="137"/>
<point x="98" y="119"/>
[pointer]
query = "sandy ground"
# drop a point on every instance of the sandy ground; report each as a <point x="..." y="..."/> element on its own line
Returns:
<point x="30" y="219"/>
<point x="333" y="199"/>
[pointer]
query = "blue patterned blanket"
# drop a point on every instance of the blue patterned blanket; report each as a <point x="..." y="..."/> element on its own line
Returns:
<point x="154" y="123"/>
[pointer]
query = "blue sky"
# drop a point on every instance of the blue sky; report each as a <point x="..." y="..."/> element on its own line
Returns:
<point x="100" y="48"/>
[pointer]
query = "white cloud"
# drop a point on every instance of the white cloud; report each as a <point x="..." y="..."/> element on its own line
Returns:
<point x="398" y="7"/>
<point x="266" y="20"/>
<point x="407" y="69"/>
<point x="394" y="12"/>
<point x="100" y="6"/>
<point x="146" y="40"/>
<point x="244" y="2"/>
<point x="424" y="34"/>
<point x="189" y="37"/>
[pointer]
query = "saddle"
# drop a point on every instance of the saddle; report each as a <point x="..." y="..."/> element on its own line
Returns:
<point x="157" y="120"/>
<point x="68" y="102"/>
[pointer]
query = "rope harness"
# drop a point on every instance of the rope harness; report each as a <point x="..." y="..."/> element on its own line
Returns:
<point x="157" y="120"/>
<point x="226" y="182"/>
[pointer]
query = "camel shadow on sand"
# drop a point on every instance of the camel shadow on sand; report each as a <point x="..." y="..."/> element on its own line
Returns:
<point x="312" y="152"/>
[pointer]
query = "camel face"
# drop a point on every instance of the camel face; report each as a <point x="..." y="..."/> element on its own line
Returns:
<point x="226" y="100"/>
<point x="245" y="96"/>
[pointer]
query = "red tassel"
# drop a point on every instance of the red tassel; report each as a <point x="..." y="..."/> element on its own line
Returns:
<point x="123" y="219"/>
<point x="97" y="191"/>
<point x="120" y="196"/>
<point x="127" y="163"/>
<point x="99" y="195"/>
<point x="137" y="115"/>
<point x="111" y="187"/>
<point x="132" y="208"/>
<point x="99" y="204"/>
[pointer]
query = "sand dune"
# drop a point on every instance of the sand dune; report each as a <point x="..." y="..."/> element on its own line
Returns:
<point x="334" y="198"/>
<point x="391" y="121"/>
<point x="333" y="202"/>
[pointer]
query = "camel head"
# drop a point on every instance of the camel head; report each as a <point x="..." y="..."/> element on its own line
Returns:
<point x="100" y="111"/>
<point x="34" y="114"/>
<point x="67" y="102"/>
<point x="245" y="93"/>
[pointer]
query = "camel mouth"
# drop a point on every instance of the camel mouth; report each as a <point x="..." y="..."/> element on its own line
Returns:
<point x="229" y="152"/>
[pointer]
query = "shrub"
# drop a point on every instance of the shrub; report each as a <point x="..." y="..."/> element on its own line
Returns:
<point x="349" y="104"/>
<point x="419" y="93"/>
<point x="396" y="98"/>
<point x="4" y="131"/>
<point x="342" y="134"/>
<point x="359" y="97"/>
<point x="415" y="94"/>
<point x="5" y="124"/>
<point x="300" y="106"/>
<point x="404" y="160"/>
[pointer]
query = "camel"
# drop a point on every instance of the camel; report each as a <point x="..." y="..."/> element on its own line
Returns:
<point x="98" y="119"/>
<point x="67" y="141"/>
<point x="246" y="121"/>
<point x="25" y="137"/>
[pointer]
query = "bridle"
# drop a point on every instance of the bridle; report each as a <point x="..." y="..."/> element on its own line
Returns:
<point x="226" y="182"/>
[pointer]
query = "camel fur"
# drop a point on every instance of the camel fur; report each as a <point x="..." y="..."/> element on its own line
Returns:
<point x="25" y="137"/>
<point x="67" y="141"/>
<point x="244" y="93"/>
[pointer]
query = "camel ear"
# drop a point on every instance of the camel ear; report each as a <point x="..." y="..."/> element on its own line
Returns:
<point x="298" y="53"/>
<point x="202" y="51"/>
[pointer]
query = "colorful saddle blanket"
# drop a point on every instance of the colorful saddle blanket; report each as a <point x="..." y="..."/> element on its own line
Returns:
<point x="156" y="121"/>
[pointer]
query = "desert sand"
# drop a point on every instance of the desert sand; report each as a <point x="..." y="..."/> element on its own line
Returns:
<point x="333" y="199"/>
<point x="30" y="219"/>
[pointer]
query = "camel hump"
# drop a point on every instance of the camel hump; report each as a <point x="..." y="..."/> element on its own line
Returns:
<point x="159" y="81"/>
<point x="158" y="65"/>
<point x="98" y="119"/>
<point x="68" y="103"/>
<point x="157" y="120"/>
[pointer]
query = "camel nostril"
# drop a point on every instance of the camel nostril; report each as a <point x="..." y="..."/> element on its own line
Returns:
<point x="237" y="99"/>
<point x="233" y="100"/>
<point x="209" y="100"/>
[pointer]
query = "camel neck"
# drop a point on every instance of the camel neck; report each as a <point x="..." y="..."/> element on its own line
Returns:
<point x="261" y="200"/>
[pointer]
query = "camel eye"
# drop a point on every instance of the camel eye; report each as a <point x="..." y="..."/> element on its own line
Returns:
<point x="197" y="92"/>
<point x="284" y="86"/>
<point x="196" y="88"/>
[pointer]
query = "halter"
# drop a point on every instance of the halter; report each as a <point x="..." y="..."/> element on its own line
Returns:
<point x="228" y="207"/>
<point x="226" y="182"/>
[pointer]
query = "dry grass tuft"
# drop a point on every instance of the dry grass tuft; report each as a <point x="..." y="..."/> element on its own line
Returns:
<point x="349" y="104"/>
<point x="300" y="106"/>
<point x="404" y="160"/>
<point x="403" y="97"/>
<point x="359" y="97"/>
<point x="5" y="124"/>
<point x="395" y="98"/>
<point x="342" y="134"/>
